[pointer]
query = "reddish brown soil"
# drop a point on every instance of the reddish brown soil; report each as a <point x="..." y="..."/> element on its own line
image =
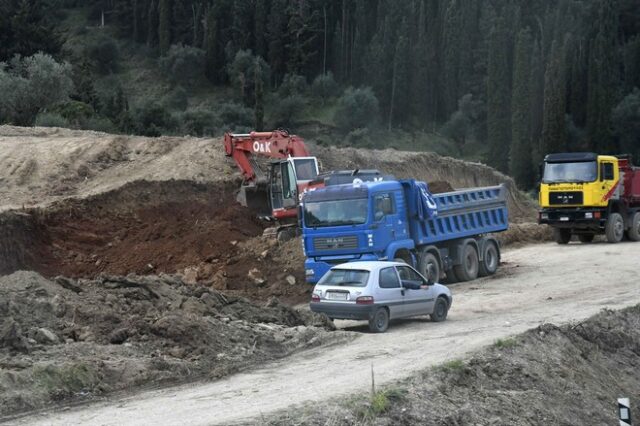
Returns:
<point x="196" y="230"/>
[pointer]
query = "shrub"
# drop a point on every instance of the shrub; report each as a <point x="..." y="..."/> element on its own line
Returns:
<point x="183" y="64"/>
<point x="104" y="54"/>
<point x="324" y="86"/>
<point x="30" y="85"/>
<point x="292" y="85"/>
<point x="75" y="112"/>
<point x="152" y="119"/>
<point x="199" y="122"/>
<point x="357" y="108"/>
<point x="359" y="138"/>
<point x="51" y="119"/>
<point x="234" y="117"/>
<point x="242" y="73"/>
<point x="99" y="124"/>
<point x="286" y="111"/>
<point x="178" y="98"/>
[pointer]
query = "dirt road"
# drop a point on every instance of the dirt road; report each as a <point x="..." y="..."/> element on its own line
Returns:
<point x="540" y="283"/>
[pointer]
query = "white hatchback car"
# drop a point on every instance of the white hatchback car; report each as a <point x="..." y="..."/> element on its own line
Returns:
<point x="378" y="292"/>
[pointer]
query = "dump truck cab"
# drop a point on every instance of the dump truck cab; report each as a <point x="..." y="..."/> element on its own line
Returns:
<point x="578" y="180"/>
<point x="585" y="194"/>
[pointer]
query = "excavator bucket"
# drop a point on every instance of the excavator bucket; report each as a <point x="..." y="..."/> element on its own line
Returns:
<point x="256" y="198"/>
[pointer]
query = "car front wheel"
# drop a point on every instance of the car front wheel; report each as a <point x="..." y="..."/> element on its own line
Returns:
<point x="380" y="321"/>
<point x="440" y="310"/>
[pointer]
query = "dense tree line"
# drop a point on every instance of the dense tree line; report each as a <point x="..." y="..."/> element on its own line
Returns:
<point x="522" y="77"/>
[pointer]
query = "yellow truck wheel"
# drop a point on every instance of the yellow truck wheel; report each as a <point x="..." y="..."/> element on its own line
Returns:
<point x="562" y="235"/>
<point x="634" y="231"/>
<point x="614" y="228"/>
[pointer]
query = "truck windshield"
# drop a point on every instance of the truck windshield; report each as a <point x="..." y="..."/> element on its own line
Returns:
<point x="586" y="171"/>
<point x="335" y="213"/>
<point x="346" y="277"/>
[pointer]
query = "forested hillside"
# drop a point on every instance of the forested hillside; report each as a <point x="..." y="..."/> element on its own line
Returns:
<point x="505" y="81"/>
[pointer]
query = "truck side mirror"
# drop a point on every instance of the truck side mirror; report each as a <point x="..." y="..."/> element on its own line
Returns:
<point x="379" y="216"/>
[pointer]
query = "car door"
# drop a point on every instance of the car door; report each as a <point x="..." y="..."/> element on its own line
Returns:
<point x="390" y="293"/>
<point x="420" y="301"/>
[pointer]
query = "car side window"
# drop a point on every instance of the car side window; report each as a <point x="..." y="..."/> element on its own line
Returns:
<point x="408" y="274"/>
<point x="389" y="278"/>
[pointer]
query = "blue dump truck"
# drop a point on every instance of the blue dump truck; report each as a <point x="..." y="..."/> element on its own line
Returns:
<point x="401" y="220"/>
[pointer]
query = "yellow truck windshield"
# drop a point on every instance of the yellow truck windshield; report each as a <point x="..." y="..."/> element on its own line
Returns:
<point x="584" y="171"/>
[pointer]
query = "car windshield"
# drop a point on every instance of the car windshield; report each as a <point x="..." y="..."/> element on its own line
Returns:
<point x="335" y="213"/>
<point x="586" y="171"/>
<point x="346" y="277"/>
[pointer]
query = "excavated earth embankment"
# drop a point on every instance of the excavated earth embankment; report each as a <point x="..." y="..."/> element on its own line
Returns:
<point x="144" y="270"/>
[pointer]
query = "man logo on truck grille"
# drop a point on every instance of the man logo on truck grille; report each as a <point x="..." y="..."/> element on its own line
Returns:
<point x="569" y="197"/>
<point x="334" y="242"/>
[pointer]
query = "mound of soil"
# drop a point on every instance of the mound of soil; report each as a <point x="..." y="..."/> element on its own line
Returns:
<point x="67" y="338"/>
<point x="182" y="227"/>
<point x="442" y="173"/>
<point x="42" y="165"/>
<point x="568" y="375"/>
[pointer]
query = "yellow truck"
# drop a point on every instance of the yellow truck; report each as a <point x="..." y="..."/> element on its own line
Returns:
<point x="585" y="194"/>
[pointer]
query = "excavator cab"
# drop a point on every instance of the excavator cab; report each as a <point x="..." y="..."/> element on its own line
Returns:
<point x="288" y="179"/>
<point x="274" y="195"/>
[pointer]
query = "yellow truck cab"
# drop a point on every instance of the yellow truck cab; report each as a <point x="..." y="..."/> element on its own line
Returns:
<point x="585" y="194"/>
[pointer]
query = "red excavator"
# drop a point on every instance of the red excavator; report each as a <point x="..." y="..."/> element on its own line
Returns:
<point x="277" y="194"/>
<point x="292" y="171"/>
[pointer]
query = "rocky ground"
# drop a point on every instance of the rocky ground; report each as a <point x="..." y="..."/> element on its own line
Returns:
<point x="550" y="375"/>
<point x="67" y="339"/>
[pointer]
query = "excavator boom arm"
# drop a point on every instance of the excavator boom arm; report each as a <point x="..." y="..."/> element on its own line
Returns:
<point x="277" y="144"/>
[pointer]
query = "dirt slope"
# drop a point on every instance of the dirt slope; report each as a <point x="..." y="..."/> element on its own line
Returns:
<point x="428" y="167"/>
<point x="41" y="165"/>
<point x="539" y="284"/>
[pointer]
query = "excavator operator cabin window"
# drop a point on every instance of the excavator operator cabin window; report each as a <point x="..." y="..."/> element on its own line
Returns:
<point x="607" y="171"/>
<point x="305" y="169"/>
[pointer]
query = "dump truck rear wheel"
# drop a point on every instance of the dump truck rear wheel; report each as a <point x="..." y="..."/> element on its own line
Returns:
<point x="634" y="231"/>
<point x="586" y="238"/>
<point x="429" y="267"/>
<point x="614" y="228"/>
<point x="468" y="269"/>
<point x="490" y="259"/>
<point x="562" y="235"/>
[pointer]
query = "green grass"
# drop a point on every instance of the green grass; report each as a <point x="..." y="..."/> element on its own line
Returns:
<point x="452" y="366"/>
<point x="381" y="402"/>
<point x="66" y="379"/>
<point x="505" y="343"/>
